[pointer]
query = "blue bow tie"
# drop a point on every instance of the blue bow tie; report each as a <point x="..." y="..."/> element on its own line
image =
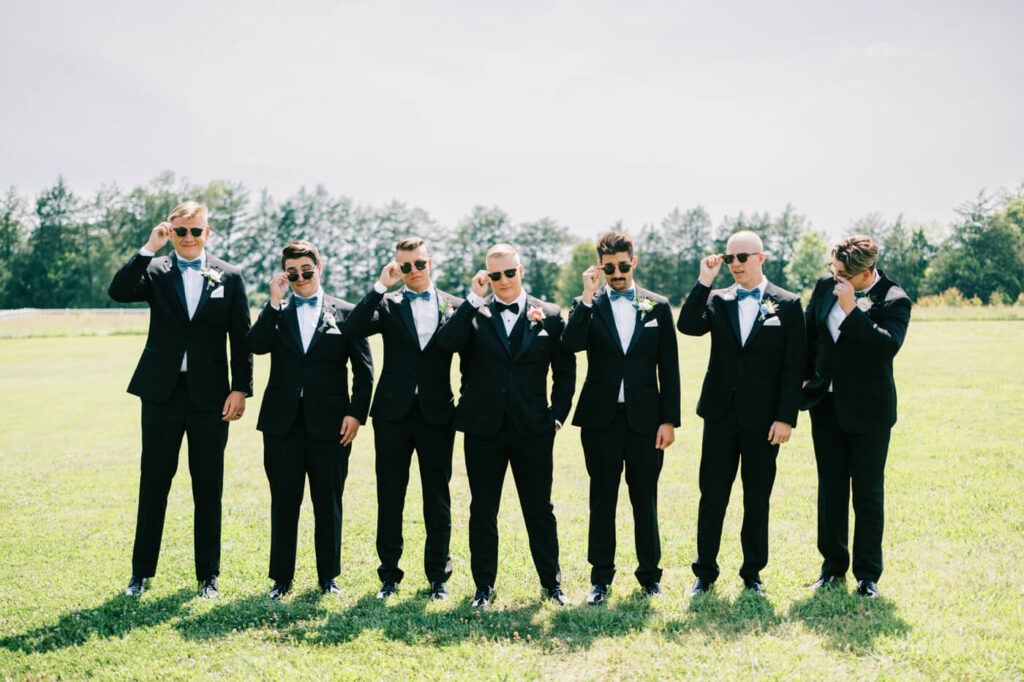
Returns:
<point x="412" y="295"/>
<point x="196" y="264"/>
<point x="616" y="295"/>
<point x="300" y="301"/>
<point x="742" y="293"/>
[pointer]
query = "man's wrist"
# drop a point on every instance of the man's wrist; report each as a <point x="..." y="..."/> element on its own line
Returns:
<point x="704" y="281"/>
<point x="379" y="287"/>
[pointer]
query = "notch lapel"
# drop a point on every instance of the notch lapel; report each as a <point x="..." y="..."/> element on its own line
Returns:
<point x="529" y="330"/>
<point x="327" y="308"/>
<point x="405" y="312"/>
<point x="604" y="309"/>
<point x="732" y="306"/>
<point x="291" y="323"/>
<point x="499" y="326"/>
<point x="179" y="284"/>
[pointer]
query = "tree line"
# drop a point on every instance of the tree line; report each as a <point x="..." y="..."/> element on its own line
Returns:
<point x="61" y="249"/>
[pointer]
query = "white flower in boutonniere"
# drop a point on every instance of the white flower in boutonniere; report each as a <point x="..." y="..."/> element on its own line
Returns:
<point x="865" y="303"/>
<point x="326" y="322"/>
<point x="445" y="310"/>
<point x="213" y="277"/>
<point x="535" y="315"/>
<point x="643" y="306"/>
<point x="769" y="307"/>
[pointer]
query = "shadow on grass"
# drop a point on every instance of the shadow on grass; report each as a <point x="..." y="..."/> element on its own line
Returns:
<point x="714" y="614"/>
<point x="113" y="619"/>
<point x="308" y="618"/>
<point x="848" y="622"/>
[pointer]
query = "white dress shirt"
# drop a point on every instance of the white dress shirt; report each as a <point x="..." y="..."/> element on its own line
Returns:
<point x="309" y="318"/>
<point x="192" y="282"/>
<point x="425" y="313"/>
<point x="507" y="316"/>
<point x="748" y="310"/>
<point x="624" y="313"/>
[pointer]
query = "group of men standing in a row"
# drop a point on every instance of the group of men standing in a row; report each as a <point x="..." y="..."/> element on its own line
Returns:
<point x="769" y="359"/>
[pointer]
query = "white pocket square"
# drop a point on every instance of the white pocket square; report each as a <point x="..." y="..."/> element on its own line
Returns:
<point x="652" y="323"/>
<point x="772" y="322"/>
<point x="542" y="332"/>
<point x="217" y="293"/>
<point x="333" y="330"/>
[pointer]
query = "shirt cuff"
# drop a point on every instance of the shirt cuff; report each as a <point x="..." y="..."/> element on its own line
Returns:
<point x="379" y="288"/>
<point x="589" y="305"/>
<point x="474" y="300"/>
<point x="146" y="252"/>
<point x="275" y="307"/>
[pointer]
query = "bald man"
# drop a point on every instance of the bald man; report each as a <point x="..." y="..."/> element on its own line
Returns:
<point x="749" y="402"/>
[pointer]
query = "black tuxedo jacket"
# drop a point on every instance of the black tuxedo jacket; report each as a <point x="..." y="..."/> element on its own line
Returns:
<point x="406" y="365"/>
<point x="223" y="309"/>
<point x="762" y="376"/>
<point x="500" y="376"/>
<point x="859" y="364"/>
<point x="320" y="374"/>
<point x="649" y="367"/>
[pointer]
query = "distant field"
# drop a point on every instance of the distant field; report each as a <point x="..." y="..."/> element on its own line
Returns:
<point x="953" y="586"/>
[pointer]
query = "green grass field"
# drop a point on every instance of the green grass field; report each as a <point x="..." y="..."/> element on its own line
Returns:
<point x="953" y="604"/>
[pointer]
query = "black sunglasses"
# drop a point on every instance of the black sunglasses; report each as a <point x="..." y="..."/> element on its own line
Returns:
<point x="182" y="231"/>
<point x="306" y="274"/>
<point x="609" y="269"/>
<point x="406" y="268"/>
<point x="741" y="257"/>
<point x="510" y="273"/>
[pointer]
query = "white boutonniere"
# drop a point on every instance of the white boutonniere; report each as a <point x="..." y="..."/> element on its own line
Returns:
<point x="535" y="315"/>
<point x="643" y="306"/>
<point x="769" y="306"/>
<point x="445" y="310"/>
<point x="212" y="276"/>
<point x="865" y="303"/>
<point x="327" y="321"/>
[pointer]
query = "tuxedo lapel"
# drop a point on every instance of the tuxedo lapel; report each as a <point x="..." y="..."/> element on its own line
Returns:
<point x="178" y="283"/>
<point x="441" y="300"/>
<point x="405" y="312"/>
<point x="604" y="311"/>
<point x="291" y="323"/>
<point x="732" y="306"/>
<point x="327" y="309"/>
<point x="499" y="326"/>
<point x="204" y="295"/>
<point x="529" y="331"/>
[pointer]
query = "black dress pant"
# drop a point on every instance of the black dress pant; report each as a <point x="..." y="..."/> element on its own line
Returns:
<point x="728" y="445"/>
<point x="530" y="456"/>
<point x="606" y="452"/>
<point x="433" y="443"/>
<point x="849" y="460"/>
<point x="163" y="426"/>
<point x="288" y="460"/>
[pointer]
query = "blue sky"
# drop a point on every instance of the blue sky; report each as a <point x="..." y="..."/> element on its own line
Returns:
<point x="587" y="112"/>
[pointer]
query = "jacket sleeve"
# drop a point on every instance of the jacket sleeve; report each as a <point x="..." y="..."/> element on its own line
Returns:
<point x="563" y="370"/>
<point x="880" y="340"/>
<point x="131" y="282"/>
<point x="260" y="338"/>
<point x="241" y="358"/>
<point x="362" y="378"/>
<point x="454" y="336"/>
<point x="695" y="314"/>
<point x="790" y="384"/>
<point x="366" y="318"/>
<point x="668" y="368"/>
<point x="574" y="338"/>
<point x="811" y="330"/>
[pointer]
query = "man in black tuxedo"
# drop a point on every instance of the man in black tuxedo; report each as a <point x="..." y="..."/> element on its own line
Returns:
<point x="508" y="341"/>
<point x="307" y="419"/>
<point x="413" y="409"/>
<point x="856" y="321"/>
<point x="195" y="301"/>
<point x="749" y="401"/>
<point x="628" y="407"/>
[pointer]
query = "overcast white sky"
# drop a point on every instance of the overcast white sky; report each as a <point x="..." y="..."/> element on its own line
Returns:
<point x="586" y="112"/>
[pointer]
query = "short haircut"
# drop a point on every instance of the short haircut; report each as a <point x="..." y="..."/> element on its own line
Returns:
<point x="500" y="250"/>
<point x="410" y="244"/>
<point x="857" y="254"/>
<point x="613" y="243"/>
<point x="300" y="248"/>
<point x="747" y="234"/>
<point x="189" y="210"/>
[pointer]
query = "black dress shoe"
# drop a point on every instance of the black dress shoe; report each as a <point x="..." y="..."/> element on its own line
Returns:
<point x="755" y="586"/>
<point x="701" y="586"/>
<point x="598" y="595"/>
<point x="208" y="588"/>
<point x="825" y="581"/>
<point x="556" y="595"/>
<point x="867" y="588"/>
<point x="136" y="586"/>
<point x="651" y="589"/>
<point x="483" y="597"/>
<point x="329" y="586"/>
<point x="438" y="591"/>
<point x="279" y="590"/>
<point x="387" y="589"/>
